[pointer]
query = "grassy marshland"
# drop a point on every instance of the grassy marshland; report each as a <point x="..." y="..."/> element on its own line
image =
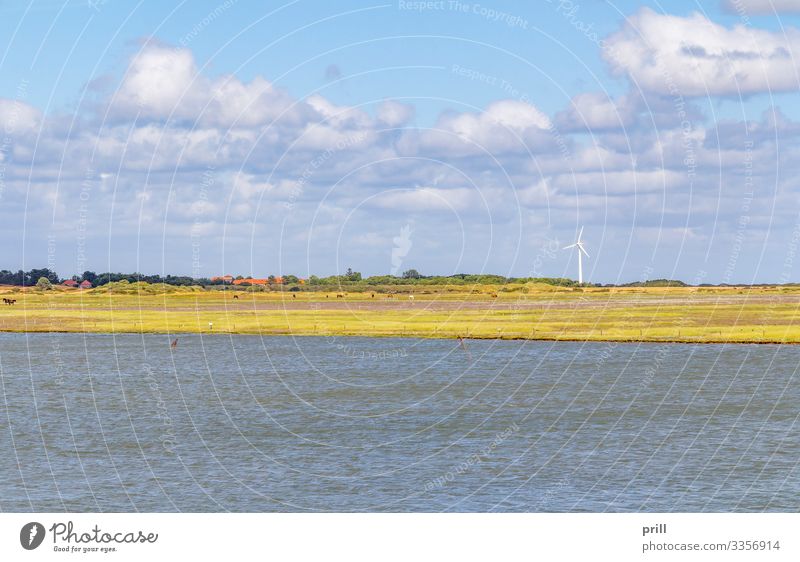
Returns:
<point x="532" y="311"/>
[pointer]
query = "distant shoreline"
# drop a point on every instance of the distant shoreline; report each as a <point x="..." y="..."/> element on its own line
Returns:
<point x="533" y="312"/>
<point x="528" y="312"/>
<point x="411" y="336"/>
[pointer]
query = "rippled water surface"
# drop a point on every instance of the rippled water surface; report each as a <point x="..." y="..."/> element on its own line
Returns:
<point x="244" y="423"/>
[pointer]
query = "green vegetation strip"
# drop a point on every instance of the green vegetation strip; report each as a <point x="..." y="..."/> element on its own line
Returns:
<point x="527" y="311"/>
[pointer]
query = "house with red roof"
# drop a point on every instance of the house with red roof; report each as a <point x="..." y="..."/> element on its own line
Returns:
<point x="70" y="283"/>
<point x="251" y="281"/>
<point x="85" y="285"/>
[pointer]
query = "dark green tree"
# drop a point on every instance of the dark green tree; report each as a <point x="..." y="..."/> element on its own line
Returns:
<point x="32" y="277"/>
<point x="351" y="275"/>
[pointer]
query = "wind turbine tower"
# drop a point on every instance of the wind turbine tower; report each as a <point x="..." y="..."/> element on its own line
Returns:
<point x="581" y="251"/>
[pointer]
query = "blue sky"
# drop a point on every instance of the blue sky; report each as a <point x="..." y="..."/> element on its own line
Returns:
<point x="308" y="137"/>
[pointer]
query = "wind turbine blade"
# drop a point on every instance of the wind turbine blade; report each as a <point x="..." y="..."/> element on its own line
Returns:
<point x="570" y="246"/>
<point x="580" y="247"/>
<point x="580" y="234"/>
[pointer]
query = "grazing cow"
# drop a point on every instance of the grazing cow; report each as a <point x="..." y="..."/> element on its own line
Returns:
<point x="294" y="296"/>
<point x="373" y="295"/>
<point x="494" y="295"/>
<point x="411" y="298"/>
<point x="236" y="296"/>
<point x="9" y="301"/>
<point x="390" y="296"/>
<point x="339" y="296"/>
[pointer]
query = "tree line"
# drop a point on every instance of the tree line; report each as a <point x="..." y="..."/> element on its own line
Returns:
<point x="30" y="278"/>
<point x="350" y="278"/>
<point x="27" y="278"/>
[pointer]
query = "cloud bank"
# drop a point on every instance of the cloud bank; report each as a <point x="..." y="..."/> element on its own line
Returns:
<point x="182" y="171"/>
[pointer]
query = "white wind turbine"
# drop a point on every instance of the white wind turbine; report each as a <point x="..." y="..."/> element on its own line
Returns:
<point x="581" y="250"/>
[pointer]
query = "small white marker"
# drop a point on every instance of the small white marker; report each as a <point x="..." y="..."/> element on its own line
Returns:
<point x="210" y="325"/>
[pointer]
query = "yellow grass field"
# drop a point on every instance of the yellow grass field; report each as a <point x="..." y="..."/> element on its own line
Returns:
<point x="680" y="314"/>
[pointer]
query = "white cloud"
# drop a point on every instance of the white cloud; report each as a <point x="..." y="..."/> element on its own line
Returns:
<point x="329" y="159"/>
<point x="499" y="119"/>
<point x="428" y="199"/>
<point x="158" y="82"/>
<point x="338" y="115"/>
<point x="163" y="83"/>
<point x="693" y="56"/>
<point x="745" y="7"/>
<point x="505" y="126"/>
<point x="17" y="117"/>
<point x="516" y="115"/>
<point x="596" y="111"/>
<point x="248" y="188"/>
<point x="622" y="182"/>
<point x="395" y="114"/>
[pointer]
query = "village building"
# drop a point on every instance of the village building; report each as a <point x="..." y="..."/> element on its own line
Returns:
<point x="251" y="281"/>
